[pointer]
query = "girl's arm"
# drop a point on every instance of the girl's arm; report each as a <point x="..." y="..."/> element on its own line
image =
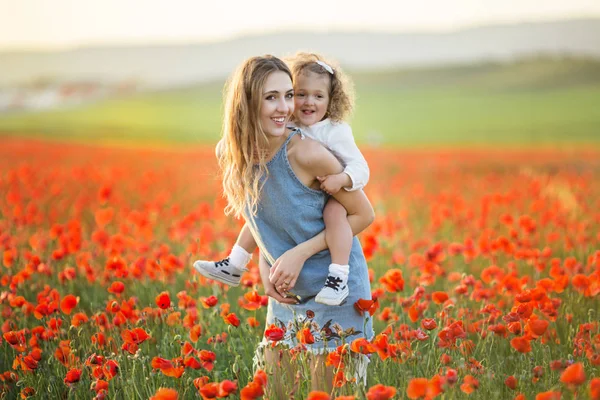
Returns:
<point x="316" y="160"/>
<point x="341" y="142"/>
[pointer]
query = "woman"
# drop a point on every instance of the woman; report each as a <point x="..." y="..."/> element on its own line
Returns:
<point x="270" y="178"/>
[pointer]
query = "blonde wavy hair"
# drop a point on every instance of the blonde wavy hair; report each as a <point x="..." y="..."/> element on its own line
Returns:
<point x="242" y="149"/>
<point x="341" y="87"/>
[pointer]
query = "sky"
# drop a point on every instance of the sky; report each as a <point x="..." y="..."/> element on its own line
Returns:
<point x="64" y="24"/>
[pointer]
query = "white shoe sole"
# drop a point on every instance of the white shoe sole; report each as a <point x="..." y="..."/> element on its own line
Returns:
<point x="216" y="277"/>
<point x="333" y="302"/>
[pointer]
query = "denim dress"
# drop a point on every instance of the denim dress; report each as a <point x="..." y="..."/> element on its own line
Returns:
<point x="288" y="214"/>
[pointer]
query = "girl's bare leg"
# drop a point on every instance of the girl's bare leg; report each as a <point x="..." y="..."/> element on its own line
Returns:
<point x="245" y="240"/>
<point x="338" y="233"/>
<point x="230" y="269"/>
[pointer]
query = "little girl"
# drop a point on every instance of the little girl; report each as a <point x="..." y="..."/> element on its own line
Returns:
<point x="323" y="99"/>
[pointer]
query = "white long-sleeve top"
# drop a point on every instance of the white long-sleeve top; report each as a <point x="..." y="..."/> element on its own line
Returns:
<point x="337" y="137"/>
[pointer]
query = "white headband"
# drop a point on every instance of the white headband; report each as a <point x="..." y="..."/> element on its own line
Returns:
<point x="325" y="66"/>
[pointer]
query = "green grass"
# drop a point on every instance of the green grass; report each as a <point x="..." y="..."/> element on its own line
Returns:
<point x="531" y="101"/>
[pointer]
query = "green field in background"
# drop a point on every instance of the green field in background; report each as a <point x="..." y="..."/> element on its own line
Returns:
<point x="537" y="101"/>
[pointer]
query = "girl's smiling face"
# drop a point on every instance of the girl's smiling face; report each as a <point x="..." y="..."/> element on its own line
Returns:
<point x="311" y="97"/>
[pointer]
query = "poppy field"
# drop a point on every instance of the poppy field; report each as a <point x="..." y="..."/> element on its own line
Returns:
<point x="484" y="267"/>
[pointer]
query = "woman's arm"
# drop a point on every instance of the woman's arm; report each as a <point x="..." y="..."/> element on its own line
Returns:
<point x="316" y="160"/>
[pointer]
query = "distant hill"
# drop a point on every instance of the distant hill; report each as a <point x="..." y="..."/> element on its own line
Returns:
<point x="526" y="74"/>
<point x="532" y="101"/>
<point x="168" y="66"/>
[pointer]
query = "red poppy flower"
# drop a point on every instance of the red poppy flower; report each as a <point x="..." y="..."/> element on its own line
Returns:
<point x="78" y="319"/>
<point x="318" y="395"/>
<point x="30" y="362"/>
<point x="99" y="385"/>
<point x="305" y="336"/>
<point x="252" y="391"/>
<point x="537" y="326"/>
<point x="27" y="392"/>
<point x="417" y="388"/>
<point x="511" y="382"/>
<point x="104" y="216"/>
<point x="73" y="376"/>
<point x="163" y="300"/>
<point x="521" y="344"/>
<point x="595" y="387"/>
<point x="439" y="297"/>
<point x="165" y="394"/>
<point x="161" y="363"/>
<point x="381" y="392"/>
<point x="232" y="319"/>
<point x="428" y="323"/>
<point x="451" y="376"/>
<point x="550" y="395"/>
<point x="227" y="387"/>
<point x="68" y="303"/>
<point x="117" y="287"/>
<point x="209" y="302"/>
<point x="110" y="369"/>
<point x="16" y="340"/>
<point x="209" y="391"/>
<point x="99" y="339"/>
<point x="363" y="306"/>
<point x="573" y="375"/>
<point x="208" y="359"/>
<point x="362" y="345"/>
<point x="445" y="359"/>
<point x="393" y="280"/>
<point x="498" y="329"/>
<point x="253" y="301"/>
<point x="195" y="333"/>
<point x="136" y="335"/>
<point x="274" y="333"/>
<point x="252" y="322"/>
<point x="192" y="362"/>
<point x="469" y="385"/>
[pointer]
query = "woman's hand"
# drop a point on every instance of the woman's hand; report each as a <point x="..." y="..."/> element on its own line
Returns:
<point x="285" y="270"/>
<point x="270" y="289"/>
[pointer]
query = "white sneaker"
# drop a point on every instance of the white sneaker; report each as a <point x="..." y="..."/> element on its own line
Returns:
<point x="222" y="271"/>
<point x="334" y="292"/>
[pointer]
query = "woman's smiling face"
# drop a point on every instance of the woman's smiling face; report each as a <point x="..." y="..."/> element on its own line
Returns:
<point x="277" y="103"/>
<point x="311" y="98"/>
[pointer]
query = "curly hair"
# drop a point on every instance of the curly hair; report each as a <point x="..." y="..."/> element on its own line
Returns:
<point x="341" y="88"/>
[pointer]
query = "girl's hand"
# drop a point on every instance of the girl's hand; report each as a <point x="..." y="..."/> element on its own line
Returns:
<point x="331" y="184"/>
<point x="285" y="270"/>
<point x="270" y="289"/>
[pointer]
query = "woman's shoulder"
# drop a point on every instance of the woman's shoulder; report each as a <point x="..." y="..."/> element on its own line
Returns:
<point x="311" y="155"/>
<point x="304" y="149"/>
